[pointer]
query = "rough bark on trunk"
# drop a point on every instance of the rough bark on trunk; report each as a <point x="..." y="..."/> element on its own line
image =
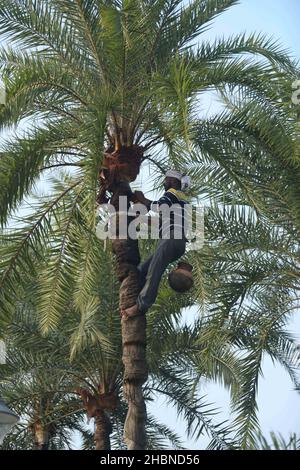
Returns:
<point x="121" y="166"/>
<point x="41" y="436"/>
<point x="102" y="431"/>
<point x="133" y="340"/>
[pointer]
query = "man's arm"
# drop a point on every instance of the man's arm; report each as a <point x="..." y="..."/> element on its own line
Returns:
<point x="168" y="198"/>
<point x="139" y="197"/>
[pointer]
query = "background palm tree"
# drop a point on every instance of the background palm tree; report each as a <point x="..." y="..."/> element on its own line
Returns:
<point x="93" y="77"/>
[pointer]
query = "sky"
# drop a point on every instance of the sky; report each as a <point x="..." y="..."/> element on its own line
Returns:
<point x="278" y="403"/>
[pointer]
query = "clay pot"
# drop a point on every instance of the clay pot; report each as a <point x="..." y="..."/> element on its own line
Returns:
<point x="181" y="278"/>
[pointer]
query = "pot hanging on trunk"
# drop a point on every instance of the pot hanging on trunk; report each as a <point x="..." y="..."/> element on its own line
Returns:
<point x="181" y="278"/>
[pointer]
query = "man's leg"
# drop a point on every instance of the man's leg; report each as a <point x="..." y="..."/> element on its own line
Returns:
<point x="166" y="252"/>
<point x="143" y="268"/>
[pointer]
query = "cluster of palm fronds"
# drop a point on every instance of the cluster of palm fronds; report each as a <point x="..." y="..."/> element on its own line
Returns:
<point x="77" y="74"/>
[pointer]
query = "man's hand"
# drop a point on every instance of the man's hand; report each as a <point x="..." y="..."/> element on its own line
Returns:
<point x="139" y="197"/>
<point x="133" y="198"/>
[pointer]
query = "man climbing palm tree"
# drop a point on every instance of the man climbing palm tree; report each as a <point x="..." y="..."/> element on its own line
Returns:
<point x="172" y="234"/>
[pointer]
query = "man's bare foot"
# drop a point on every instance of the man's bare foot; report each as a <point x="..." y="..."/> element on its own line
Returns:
<point x="130" y="312"/>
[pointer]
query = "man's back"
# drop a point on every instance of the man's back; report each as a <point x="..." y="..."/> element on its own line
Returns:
<point x="171" y="207"/>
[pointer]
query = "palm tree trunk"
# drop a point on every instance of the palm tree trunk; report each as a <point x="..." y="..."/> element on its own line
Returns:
<point x="102" y="431"/>
<point x="135" y="374"/>
<point x="41" y="436"/>
<point x="133" y="340"/>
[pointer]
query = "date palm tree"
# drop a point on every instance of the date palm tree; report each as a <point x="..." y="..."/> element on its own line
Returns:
<point x="53" y="382"/>
<point x="244" y="278"/>
<point x="108" y="83"/>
